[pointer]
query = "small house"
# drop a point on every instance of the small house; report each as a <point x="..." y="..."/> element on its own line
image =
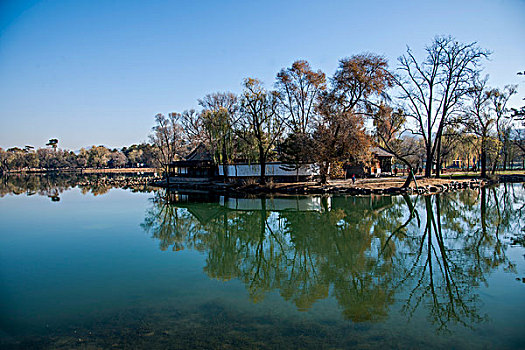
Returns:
<point x="197" y="166"/>
<point x="380" y="164"/>
<point x="382" y="161"/>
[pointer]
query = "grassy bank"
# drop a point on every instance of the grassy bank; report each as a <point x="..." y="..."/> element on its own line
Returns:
<point x="476" y="174"/>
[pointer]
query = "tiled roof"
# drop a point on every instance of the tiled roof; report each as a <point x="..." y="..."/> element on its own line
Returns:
<point x="200" y="153"/>
<point x="378" y="151"/>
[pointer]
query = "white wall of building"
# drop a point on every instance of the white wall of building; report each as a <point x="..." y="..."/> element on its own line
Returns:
<point x="272" y="169"/>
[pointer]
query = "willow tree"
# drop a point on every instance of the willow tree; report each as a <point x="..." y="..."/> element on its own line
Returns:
<point x="504" y="121"/>
<point x="218" y="125"/>
<point x="432" y="89"/>
<point x="218" y="119"/>
<point x="487" y="117"/>
<point x="259" y="121"/>
<point x="478" y="118"/>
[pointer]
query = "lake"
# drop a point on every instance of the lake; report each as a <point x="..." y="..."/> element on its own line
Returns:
<point x="100" y="267"/>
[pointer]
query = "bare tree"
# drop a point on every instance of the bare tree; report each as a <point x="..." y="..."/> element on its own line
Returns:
<point x="433" y="89"/>
<point x="479" y="119"/>
<point x="259" y="120"/>
<point x="217" y="100"/>
<point x="194" y="130"/>
<point x="518" y="114"/>
<point x="168" y="138"/>
<point x="504" y="120"/>
<point x="299" y="88"/>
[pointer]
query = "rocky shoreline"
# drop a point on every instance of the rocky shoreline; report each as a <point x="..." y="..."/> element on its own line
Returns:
<point x="363" y="187"/>
<point x="388" y="186"/>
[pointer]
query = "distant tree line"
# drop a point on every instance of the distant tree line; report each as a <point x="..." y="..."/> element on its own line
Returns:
<point x="54" y="158"/>
<point x="52" y="185"/>
<point x="426" y="111"/>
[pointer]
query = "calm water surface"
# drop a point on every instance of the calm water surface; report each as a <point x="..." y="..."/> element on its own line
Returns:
<point x="116" y="268"/>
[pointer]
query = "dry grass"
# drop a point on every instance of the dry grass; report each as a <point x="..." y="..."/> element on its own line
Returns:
<point x="382" y="183"/>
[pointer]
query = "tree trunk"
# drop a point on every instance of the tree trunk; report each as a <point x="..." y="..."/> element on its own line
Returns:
<point x="483" y="162"/>
<point x="323" y="172"/>
<point x="495" y="164"/>
<point x="409" y="179"/>
<point x="438" y="157"/>
<point x="428" y="165"/>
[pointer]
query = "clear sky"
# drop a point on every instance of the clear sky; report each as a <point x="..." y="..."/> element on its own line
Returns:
<point x="96" y="72"/>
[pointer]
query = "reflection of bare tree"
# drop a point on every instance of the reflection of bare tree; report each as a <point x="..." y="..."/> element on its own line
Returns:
<point x="510" y="205"/>
<point x="459" y="246"/>
<point x="362" y="250"/>
<point x="441" y="272"/>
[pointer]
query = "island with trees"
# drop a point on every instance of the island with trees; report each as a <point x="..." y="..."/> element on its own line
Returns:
<point x="433" y="114"/>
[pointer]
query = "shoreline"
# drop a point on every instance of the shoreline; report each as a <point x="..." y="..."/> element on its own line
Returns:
<point x="380" y="186"/>
<point x="362" y="187"/>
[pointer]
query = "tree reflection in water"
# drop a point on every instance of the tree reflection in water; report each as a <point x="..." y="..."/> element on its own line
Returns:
<point x="432" y="251"/>
<point x="53" y="185"/>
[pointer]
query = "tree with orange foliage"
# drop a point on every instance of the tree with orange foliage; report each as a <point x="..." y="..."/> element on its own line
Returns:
<point x="299" y="88"/>
<point x="340" y="133"/>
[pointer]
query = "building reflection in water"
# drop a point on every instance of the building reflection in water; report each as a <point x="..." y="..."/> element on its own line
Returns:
<point x="363" y="251"/>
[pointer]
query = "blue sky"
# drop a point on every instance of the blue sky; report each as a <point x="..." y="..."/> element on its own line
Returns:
<point x="96" y="72"/>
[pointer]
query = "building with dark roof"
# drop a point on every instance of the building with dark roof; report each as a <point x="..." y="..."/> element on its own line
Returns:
<point x="380" y="164"/>
<point x="198" y="165"/>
